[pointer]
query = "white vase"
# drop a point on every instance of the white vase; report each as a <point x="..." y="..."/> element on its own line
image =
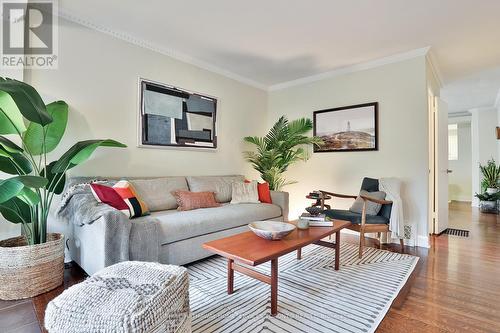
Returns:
<point x="491" y="190"/>
<point x="488" y="206"/>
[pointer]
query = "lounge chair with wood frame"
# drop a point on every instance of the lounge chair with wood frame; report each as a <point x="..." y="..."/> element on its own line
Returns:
<point x="363" y="223"/>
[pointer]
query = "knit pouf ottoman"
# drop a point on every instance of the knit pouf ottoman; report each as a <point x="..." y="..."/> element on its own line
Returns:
<point x="130" y="296"/>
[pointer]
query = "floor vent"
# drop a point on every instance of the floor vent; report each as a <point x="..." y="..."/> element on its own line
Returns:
<point x="456" y="232"/>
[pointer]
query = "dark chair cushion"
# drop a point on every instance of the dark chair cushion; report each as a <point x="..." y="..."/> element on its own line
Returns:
<point x="355" y="218"/>
<point x="371" y="185"/>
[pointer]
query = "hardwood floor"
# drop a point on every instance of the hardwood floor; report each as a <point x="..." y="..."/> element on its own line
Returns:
<point x="455" y="287"/>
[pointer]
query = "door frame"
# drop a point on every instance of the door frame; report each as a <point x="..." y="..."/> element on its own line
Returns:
<point x="431" y="101"/>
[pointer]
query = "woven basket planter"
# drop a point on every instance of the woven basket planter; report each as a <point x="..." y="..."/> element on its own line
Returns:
<point x="30" y="270"/>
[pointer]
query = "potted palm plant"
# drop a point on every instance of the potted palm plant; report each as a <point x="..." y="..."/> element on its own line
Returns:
<point x="281" y="147"/>
<point x="491" y="176"/>
<point x="33" y="263"/>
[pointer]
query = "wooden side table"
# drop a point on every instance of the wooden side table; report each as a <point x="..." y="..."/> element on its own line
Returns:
<point x="318" y="201"/>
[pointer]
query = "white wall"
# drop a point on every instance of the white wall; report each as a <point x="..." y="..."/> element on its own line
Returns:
<point x="484" y="143"/>
<point x="460" y="183"/>
<point x="401" y="90"/>
<point x="98" y="78"/>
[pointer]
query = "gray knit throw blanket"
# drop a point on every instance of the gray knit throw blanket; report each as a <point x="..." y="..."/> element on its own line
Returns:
<point x="125" y="239"/>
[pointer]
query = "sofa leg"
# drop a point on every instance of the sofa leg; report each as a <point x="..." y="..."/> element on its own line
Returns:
<point x="361" y="244"/>
<point x="401" y="241"/>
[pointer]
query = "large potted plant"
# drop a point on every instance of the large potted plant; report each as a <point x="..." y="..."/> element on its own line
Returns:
<point x="281" y="147"/>
<point x="33" y="263"/>
<point x="491" y="176"/>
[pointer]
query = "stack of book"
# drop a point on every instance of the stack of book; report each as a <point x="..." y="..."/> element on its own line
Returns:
<point x="319" y="220"/>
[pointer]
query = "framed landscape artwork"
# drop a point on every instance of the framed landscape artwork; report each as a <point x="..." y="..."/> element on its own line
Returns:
<point x="349" y="128"/>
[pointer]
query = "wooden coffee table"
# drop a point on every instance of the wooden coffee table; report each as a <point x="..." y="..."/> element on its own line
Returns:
<point x="249" y="249"/>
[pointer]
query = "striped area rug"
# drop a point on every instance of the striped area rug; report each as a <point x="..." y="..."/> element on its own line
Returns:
<point x="312" y="296"/>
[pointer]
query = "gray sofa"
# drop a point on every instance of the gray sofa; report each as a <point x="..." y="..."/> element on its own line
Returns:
<point x="179" y="234"/>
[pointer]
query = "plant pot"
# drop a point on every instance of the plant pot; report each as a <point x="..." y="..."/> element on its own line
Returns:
<point x="491" y="190"/>
<point x="30" y="270"/>
<point x="488" y="206"/>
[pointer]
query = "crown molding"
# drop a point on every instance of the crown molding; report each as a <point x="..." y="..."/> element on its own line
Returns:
<point x="159" y="49"/>
<point x="425" y="51"/>
<point x="433" y="64"/>
<point x="353" y="68"/>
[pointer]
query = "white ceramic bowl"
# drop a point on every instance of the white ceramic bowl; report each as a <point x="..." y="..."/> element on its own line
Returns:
<point x="271" y="230"/>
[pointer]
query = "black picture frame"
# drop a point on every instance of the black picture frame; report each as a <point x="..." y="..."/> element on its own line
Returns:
<point x="332" y="144"/>
<point x="208" y="136"/>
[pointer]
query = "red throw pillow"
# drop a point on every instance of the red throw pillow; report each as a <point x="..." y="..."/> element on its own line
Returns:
<point x="108" y="195"/>
<point x="264" y="192"/>
<point x="187" y="200"/>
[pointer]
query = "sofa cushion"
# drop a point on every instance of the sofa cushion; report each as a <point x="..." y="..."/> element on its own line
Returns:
<point x="157" y="192"/>
<point x="179" y="225"/>
<point x="195" y="200"/>
<point x="135" y="204"/>
<point x="244" y="192"/>
<point x="220" y="185"/>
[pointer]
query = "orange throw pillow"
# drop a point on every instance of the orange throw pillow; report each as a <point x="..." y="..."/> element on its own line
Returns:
<point x="264" y="192"/>
<point x="135" y="204"/>
<point x="193" y="200"/>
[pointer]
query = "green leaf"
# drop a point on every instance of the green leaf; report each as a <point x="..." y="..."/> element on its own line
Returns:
<point x="27" y="99"/>
<point x="8" y="164"/>
<point x="15" y="211"/>
<point x="11" y="119"/>
<point x="281" y="147"/>
<point x="80" y="152"/>
<point x="10" y="188"/>
<point x="29" y="197"/>
<point x="52" y="186"/>
<point x="34" y="137"/>
<point x="32" y="181"/>
<point x="9" y="146"/>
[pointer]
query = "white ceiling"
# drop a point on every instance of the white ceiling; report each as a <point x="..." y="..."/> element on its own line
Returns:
<point x="475" y="91"/>
<point x="271" y="42"/>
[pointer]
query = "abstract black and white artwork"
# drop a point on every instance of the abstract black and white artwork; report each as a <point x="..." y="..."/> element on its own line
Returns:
<point x="173" y="117"/>
<point x="350" y="128"/>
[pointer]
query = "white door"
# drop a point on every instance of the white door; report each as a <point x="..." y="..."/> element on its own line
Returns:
<point x="441" y="167"/>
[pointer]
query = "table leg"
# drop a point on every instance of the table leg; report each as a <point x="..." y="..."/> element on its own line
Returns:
<point x="299" y="254"/>
<point x="337" y="250"/>
<point x="230" y="276"/>
<point x="274" y="287"/>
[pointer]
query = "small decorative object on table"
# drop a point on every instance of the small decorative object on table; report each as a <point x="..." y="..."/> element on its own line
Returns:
<point x="303" y="224"/>
<point x="319" y="220"/>
<point x="316" y="195"/>
<point x="271" y="230"/>
<point x="313" y="210"/>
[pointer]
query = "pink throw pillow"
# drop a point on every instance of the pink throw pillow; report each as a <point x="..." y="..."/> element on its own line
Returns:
<point x="187" y="200"/>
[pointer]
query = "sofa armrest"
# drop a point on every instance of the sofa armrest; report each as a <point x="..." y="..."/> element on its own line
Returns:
<point x="281" y="199"/>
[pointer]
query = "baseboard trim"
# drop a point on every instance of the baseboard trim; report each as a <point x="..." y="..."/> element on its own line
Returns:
<point x="423" y="241"/>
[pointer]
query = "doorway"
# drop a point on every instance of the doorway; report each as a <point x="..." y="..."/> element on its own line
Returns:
<point x="460" y="165"/>
<point x="438" y="164"/>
